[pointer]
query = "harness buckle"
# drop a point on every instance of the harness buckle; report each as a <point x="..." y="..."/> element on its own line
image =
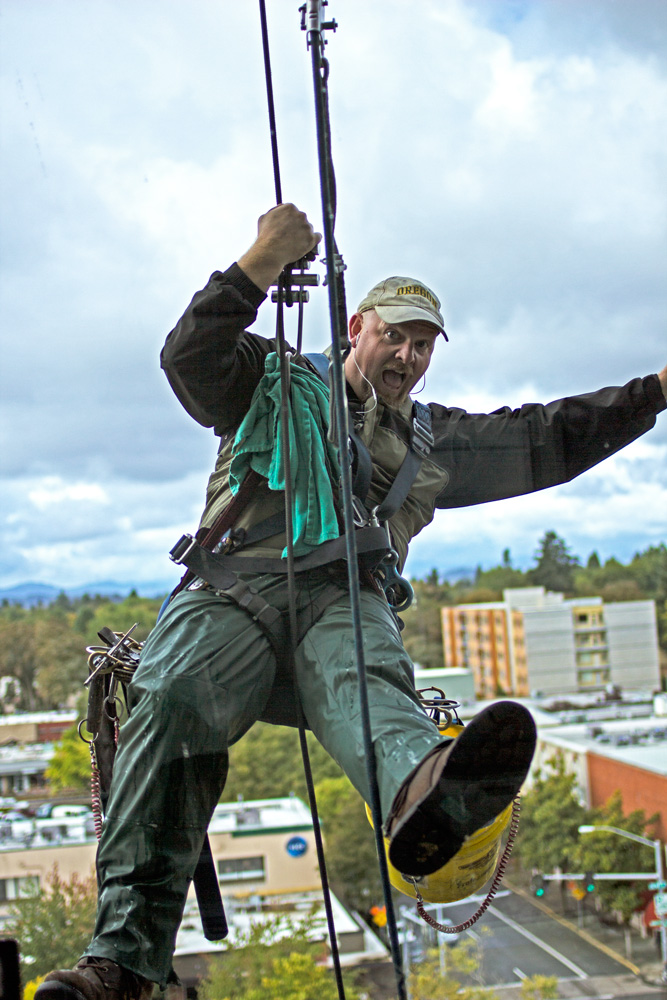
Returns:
<point x="422" y="436"/>
<point x="360" y="515"/>
<point x="182" y="549"/>
<point x="232" y="541"/>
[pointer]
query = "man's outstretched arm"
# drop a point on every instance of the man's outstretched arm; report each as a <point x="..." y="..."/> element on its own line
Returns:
<point x="663" y="380"/>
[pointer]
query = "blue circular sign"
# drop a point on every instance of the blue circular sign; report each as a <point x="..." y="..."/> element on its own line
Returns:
<point x="296" y="847"/>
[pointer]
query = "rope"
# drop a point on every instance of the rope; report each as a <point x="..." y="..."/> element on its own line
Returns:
<point x="283" y="291"/>
<point x="320" y="68"/>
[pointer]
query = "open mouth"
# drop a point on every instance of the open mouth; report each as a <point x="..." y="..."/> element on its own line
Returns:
<point x="393" y="379"/>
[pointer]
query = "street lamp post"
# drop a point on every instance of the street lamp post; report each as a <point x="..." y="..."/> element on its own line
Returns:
<point x="659" y="872"/>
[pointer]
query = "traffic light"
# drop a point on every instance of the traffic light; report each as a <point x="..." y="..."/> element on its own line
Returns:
<point x="538" y="885"/>
<point x="589" y="882"/>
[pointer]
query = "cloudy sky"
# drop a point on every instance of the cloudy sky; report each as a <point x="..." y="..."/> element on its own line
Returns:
<point x="511" y="153"/>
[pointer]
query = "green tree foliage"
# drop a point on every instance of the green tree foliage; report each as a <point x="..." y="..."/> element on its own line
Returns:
<point x="295" y="977"/>
<point x="266" y="763"/>
<point x="422" y="635"/>
<point x="53" y="923"/>
<point x="539" y="987"/>
<point x="69" y="767"/>
<point x="555" y="564"/>
<point x="501" y="577"/>
<point x="351" y="855"/>
<point x="44" y="648"/>
<point x="273" y="959"/>
<point x="119" y="617"/>
<point x="610" y="852"/>
<point x="428" y="981"/>
<point x="649" y="569"/>
<point x="550" y="815"/>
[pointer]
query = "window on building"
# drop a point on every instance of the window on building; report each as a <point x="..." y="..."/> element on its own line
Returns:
<point x="240" y="869"/>
<point x="16" y="888"/>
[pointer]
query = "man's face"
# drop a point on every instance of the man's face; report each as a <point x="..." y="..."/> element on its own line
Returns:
<point x="393" y="357"/>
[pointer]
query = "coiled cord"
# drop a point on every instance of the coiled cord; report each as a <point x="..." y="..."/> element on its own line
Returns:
<point x="497" y="879"/>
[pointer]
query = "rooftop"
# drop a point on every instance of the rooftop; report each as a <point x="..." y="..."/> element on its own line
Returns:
<point x="33" y="718"/>
<point x="638" y="742"/>
<point x="356" y="942"/>
<point x="260" y="815"/>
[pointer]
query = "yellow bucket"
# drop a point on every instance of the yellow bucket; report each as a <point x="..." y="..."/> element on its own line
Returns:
<point x="470" y="868"/>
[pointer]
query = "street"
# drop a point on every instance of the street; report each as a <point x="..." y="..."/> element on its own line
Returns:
<point x="517" y="940"/>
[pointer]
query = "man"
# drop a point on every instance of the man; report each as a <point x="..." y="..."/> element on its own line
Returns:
<point x="209" y="669"/>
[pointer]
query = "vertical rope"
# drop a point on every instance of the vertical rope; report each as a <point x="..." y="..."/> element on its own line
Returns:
<point x="320" y="70"/>
<point x="269" y="99"/>
<point x="285" y="411"/>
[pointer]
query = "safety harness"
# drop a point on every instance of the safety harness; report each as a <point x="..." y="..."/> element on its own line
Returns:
<point x="212" y="556"/>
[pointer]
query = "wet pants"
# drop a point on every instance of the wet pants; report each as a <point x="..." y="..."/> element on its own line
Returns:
<point x="204" y="678"/>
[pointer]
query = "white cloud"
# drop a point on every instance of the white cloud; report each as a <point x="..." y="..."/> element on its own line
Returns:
<point x="511" y="153"/>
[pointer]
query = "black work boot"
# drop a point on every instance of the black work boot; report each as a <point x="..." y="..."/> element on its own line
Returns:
<point x="460" y="788"/>
<point x="94" y="979"/>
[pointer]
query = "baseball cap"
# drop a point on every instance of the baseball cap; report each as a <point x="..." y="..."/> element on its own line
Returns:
<point x="400" y="299"/>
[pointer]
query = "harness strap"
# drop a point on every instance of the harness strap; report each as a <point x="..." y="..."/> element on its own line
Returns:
<point x="362" y="465"/>
<point x="421" y="442"/>
<point x="204" y="564"/>
<point x="220" y="570"/>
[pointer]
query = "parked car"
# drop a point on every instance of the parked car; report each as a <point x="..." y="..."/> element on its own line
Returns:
<point x="51" y="810"/>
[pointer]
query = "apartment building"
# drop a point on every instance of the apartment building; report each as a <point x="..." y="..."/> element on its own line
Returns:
<point x="536" y="641"/>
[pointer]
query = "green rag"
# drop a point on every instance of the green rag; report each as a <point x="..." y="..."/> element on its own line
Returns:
<point x="313" y="459"/>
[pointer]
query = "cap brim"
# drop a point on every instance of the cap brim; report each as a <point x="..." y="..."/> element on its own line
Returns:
<point x="404" y="314"/>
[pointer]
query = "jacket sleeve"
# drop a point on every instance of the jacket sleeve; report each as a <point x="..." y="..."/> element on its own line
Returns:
<point x="511" y="452"/>
<point x="212" y="363"/>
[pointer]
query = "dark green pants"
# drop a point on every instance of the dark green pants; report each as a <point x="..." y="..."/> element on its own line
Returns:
<point x="204" y="678"/>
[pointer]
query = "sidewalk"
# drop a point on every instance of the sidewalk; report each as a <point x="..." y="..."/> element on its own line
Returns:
<point x="643" y="962"/>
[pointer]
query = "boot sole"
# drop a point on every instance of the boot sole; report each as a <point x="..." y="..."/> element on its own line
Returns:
<point x="486" y="767"/>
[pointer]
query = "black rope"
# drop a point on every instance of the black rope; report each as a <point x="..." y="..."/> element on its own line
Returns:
<point x="269" y="100"/>
<point x="283" y="354"/>
<point x="337" y="311"/>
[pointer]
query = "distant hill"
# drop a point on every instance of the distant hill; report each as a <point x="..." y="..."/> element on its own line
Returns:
<point x="30" y="594"/>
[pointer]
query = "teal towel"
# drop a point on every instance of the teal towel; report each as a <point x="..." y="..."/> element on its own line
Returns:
<point x="314" y="460"/>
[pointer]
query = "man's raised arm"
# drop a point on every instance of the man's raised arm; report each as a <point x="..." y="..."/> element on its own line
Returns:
<point x="284" y="235"/>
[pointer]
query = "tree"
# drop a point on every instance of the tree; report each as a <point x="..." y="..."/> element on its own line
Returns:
<point x="555" y="564"/>
<point x="551" y="813"/>
<point x="296" y="977"/>
<point x="429" y="982"/>
<point x="539" y="987"/>
<point x="69" y="767"/>
<point x="121" y="616"/>
<point x="610" y="852"/>
<point x="500" y="578"/>
<point x="649" y="568"/>
<point x="276" y="958"/>
<point x="53" y="923"/>
<point x="278" y="747"/>
<point x="351" y="854"/>
<point x="61" y="661"/>
<point x="422" y="635"/>
<point x="19" y="656"/>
